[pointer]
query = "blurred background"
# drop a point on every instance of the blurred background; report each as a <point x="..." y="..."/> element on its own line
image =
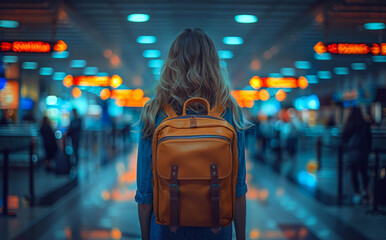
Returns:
<point x="309" y="74"/>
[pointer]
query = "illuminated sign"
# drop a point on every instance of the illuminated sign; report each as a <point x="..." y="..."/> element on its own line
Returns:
<point x="245" y="98"/>
<point x="9" y="96"/>
<point x="32" y="46"/>
<point x="278" y="82"/>
<point x="351" y="48"/>
<point x="129" y="97"/>
<point x="92" y="81"/>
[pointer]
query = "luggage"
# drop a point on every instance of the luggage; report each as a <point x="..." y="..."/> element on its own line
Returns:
<point x="194" y="169"/>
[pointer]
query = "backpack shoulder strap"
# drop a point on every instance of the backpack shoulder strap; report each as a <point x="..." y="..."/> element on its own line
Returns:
<point x="169" y="110"/>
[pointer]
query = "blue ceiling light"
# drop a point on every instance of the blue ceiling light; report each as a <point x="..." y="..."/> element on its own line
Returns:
<point x="313" y="102"/>
<point x="232" y="40"/>
<point x="151" y="53"/>
<point x="51" y="100"/>
<point x="9" y="24"/>
<point x="324" y="75"/>
<point x="155" y="63"/>
<point x="138" y="17"/>
<point x="102" y="74"/>
<point x="63" y="54"/>
<point x="156" y="71"/>
<point x="312" y="79"/>
<point x="59" y="76"/>
<point x="225" y="54"/>
<point x="146" y="39"/>
<point x="358" y="66"/>
<point x="323" y="56"/>
<point x="10" y="59"/>
<point x="90" y="71"/>
<point x="223" y="64"/>
<point x="275" y="75"/>
<point x="3" y="81"/>
<point x="374" y="26"/>
<point x="29" y="65"/>
<point x="379" y="58"/>
<point x="287" y="71"/>
<point x="246" y="18"/>
<point x="341" y="71"/>
<point x="302" y="64"/>
<point x="78" y="63"/>
<point x="46" y="71"/>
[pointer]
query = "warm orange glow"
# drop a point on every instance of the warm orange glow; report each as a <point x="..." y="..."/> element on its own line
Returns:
<point x="107" y="53"/>
<point x="121" y="93"/>
<point x="105" y="93"/>
<point x="116" y="81"/>
<point x="264" y="95"/>
<point x="95" y="234"/>
<point x="254" y="234"/>
<point x="303" y="232"/>
<point x="115" y="60"/>
<point x="383" y="48"/>
<point x="106" y="195"/>
<point x="138" y="94"/>
<point x="9" y="95"/>
<point x="320" y="48"/>
<point x="281" y="95"/>
<point x="263" y="194"/>
<point x="245" y="98"/>
<point x="255" y="82"/>
<point x="68" y="81"/>
<point x="115" y="234"/>
<point x="5" y="46"/>
<point x="13" y="202"/>
<point x="302" y="82"/>
<point x="76" y="92"/>
<point x="60" y="46"/>
<point x="26" y="46"/>
<point x="92" y="81"/>
<point x="253" y="193"/>
<point x="68" y="233"/>
<point x="375" y="49"/>
<point x="312" y="166"/>
<point x="255" y="65"/>
<point x="249" y="103"/>
<point x="271" y="82"/>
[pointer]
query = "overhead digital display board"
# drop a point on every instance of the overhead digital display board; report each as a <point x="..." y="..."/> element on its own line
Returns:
<point x="92" y="81"/>
<point x="280" y="82"/>
<point x="32" y="46"/>
<point x="351" y="48"/>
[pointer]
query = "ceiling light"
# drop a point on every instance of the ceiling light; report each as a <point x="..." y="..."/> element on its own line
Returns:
<point x="10" y="59"/>
<point x="155" y="63"/>
<point x="287" y="71"/>
<point x="374" y="26"/>
<point x="223" y="64"/>
<point x="78" y="63"/>
<point x="151" y="53"/>
<point x="323" y="56"/>
<point x="29" y="65"/>
<point x="379" y="58"/>
<point x="232" y="40"/>
<point x="312" y="79"/>
<point x="324" y="74"/>
<point x="225" y="54"/>
<point x="102" y="74"/>
<point x="51" y="100"/>
<point x="63" y="54"/>
<point x="146" y="39"/>
<point x="274" y="75"/>
<point x="138" y="17"/>
<point x="59" y="76"/>
<point x="246" y="18"/>
<point x="46" y="71"/>
<point x="156" y="71"/>
<point x="358" y="66"/>
<point x="90" y="71"/>
<point x="9" y="24"/>
<point x="341" y="71"/>
<point x="302" y="64"/>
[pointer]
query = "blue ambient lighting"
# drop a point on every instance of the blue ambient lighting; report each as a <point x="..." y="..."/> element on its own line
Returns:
<point x="29" y="65"/>
<point x="8" y="24"/>
<point x="146" y="39"/>
<point x="102" y="74"/>
<point x="156" y="71"/>
<point x="358" y="66"/>
<point x="312" y="79"/>
<point x="138" y="17"/>
<point x="51" y="100"/>
<point x="90" y="71"/>
<point x="341" y="71"/>
<point x="223" y="64"/>
<point x="225" y="54"/>
<point x="374" y="26"/>
<point x="275" y="75"/>
<point x="155" y="63"/>
<point x="46" y="71"/>
<point x="59" y="76"/>
<point x="63" y="54"/>
<point x="287" y="71"/>
<point x="323" y="56"/>
<point x="3" y="81"/>
<point x="26" y="103"/>
<point x="246" y="18"/>
<point x="78" y="63"/>
<point x="10" y="59"/>
<point x="379" y="58"/>
<point x="324" y="74"/>
<point x="151" y="53"/>
<point x="302" y="64"/>
<point x="233" y="40"/>
<point x="313" y="102"/>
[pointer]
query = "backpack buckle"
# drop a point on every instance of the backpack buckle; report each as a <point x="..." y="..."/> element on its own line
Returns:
<point x="172" y="185"/>
<point x="216" y="186"/>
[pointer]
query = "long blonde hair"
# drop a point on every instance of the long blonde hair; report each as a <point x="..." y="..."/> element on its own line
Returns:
<point x="191" y="69"/>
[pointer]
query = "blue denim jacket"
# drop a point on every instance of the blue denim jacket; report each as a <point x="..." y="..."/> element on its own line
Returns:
<point x="144" y="194"/>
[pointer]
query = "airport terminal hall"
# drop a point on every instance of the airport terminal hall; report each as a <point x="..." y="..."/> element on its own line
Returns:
<point x="193" y="119"/>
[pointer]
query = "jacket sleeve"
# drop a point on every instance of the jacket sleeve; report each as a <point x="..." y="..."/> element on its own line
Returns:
<point x="241" y="186"/>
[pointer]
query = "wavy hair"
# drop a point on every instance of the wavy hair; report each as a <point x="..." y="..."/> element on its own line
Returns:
<point x="192" y="69"/>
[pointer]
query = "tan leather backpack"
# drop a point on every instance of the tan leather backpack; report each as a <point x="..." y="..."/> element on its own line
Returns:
<point x="194" y="168"/>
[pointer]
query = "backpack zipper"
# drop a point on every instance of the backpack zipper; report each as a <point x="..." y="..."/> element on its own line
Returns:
<point x="194" y="137"/>
<point x="195" y="116"/>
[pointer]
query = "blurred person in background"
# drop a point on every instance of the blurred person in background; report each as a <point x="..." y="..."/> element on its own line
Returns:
<point x="74" y="131"/>
<point x="357" y="139"/>
<point x="49" y="140"/>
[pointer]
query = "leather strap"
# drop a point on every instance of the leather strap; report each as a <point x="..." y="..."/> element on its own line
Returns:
<point x="174" y="191"/>
<point x="217" y="110"/>
<point x="215" y="198"/>
<point x="169" y="110"/>
<point x="195" y="100"/>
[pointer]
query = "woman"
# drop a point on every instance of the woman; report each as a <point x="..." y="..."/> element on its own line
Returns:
<point x="357" y="137"/>
<point x="49" y="140"/>
<point x="191" y="70"/>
